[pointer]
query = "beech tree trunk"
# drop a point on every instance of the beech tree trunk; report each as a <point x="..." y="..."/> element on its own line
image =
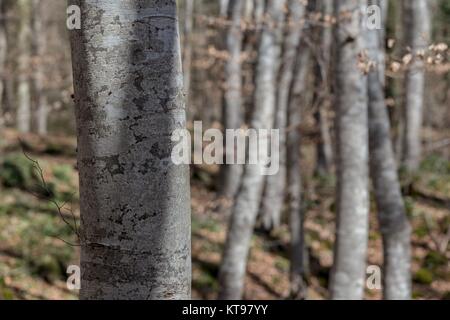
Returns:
<point x="258" y="14"/>
<point x="274" y="194"/>
<point x="223" y="7"/>
<point x="3" y="55"/>
<point x="322" y="94"/>
<point x="245" y="210"/>
<point x="232" y="110"/>
<point x="38" y="78"/>
<point x="135" y="202"/>
<point x="23" y="68"/>
<point x="394" y="223"/>
<point x="294" y="178"/>
<point x="417" y="32"/>
<point x="348" y="274"/>
<point x="249" y="8"/>
<point x="187" y="50"/>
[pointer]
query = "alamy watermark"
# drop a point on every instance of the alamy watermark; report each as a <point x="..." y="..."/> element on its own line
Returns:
<point x="74" y="279"/>
<point x="73" y="21"/>
<point x="373" y="281"/>
<point x="373" y="19"/>
<point x="236" y="147"/>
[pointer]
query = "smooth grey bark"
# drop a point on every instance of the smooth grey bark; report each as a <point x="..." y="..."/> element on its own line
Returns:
<point x="322" y="94"/>
<point x="298" y="284"/>
<point x="223" y="7"/>
<point x="417" y="33"/>
<point x="23" y="68"/>
<point x="245" y="210"/>
<point x="3" y="55"/>
<point x="394" y="223"/>
<point x="134" y="201"/>
<point x="258" y="14"/>
<point x="274" y="194"/>
<point x="232" y="109"/>
<point x="396" y="84"/>
<point x="348" y="273"/>
<point x="249" y="7"/>
<point x="187" y="48"/>
<point x="38" y="78"/>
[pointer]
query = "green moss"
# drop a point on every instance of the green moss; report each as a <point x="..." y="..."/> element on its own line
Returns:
<point x="434" y="260"/>
<point x="39" y="252"/>
<point x="436" y="164"/>
<point x="323" y="281"/>
<point x="205" y="282"/>
<point x="204" y="224"/>
<point x="63" y="173"/>
<point x="409" y="206"/>
<point x="327" y="181"/>
<point x="16" y="171"/>
<point x="276" y="280"/>
<point x="64" y="196"/>
<point x="373" y="236"/>
<point x="18" y="209"/>
<point x="282" y="264"/>
<point x="212" y="247"/>
<point x="417" y="295"/>
<point x="421" y="231"/>
<point x="50" y="264"/>
<point x="5" y="292"/>
<point x="333" y="207"/>
<point x="47" y="267"/>
<point x="423" y="276"/>
<point x="4" y="209"/>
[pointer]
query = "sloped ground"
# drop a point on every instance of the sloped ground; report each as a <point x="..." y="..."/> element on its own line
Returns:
<point x="37" y="241"/>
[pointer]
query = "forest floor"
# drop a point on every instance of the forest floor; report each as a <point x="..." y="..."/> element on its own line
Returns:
<point x="36" y="239"/>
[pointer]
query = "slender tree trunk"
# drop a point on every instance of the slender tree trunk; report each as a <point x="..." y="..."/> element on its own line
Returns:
<point x="135" y="202"/>
<point x="348" y="274"/>
<point x="274" y="193"/>
<point x="187" y="50"/>
<point x="249" y="8"/>
<point x="23" y="79"/>
<point x="395" y="84"/>
<point x="3" y="55"/>
<point x="232" y="110"/>
<point x="258" y="13"/>
<point x="38" y="47"/>
<point x="417" y="32"/>
<point x="324" y="149"/>
<point x="322" y="95"/>
<point x="223" y="7"/>
<point x="391" y="209"/>
<point x="245" y="210"/>
<point x="294" y="178"/>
